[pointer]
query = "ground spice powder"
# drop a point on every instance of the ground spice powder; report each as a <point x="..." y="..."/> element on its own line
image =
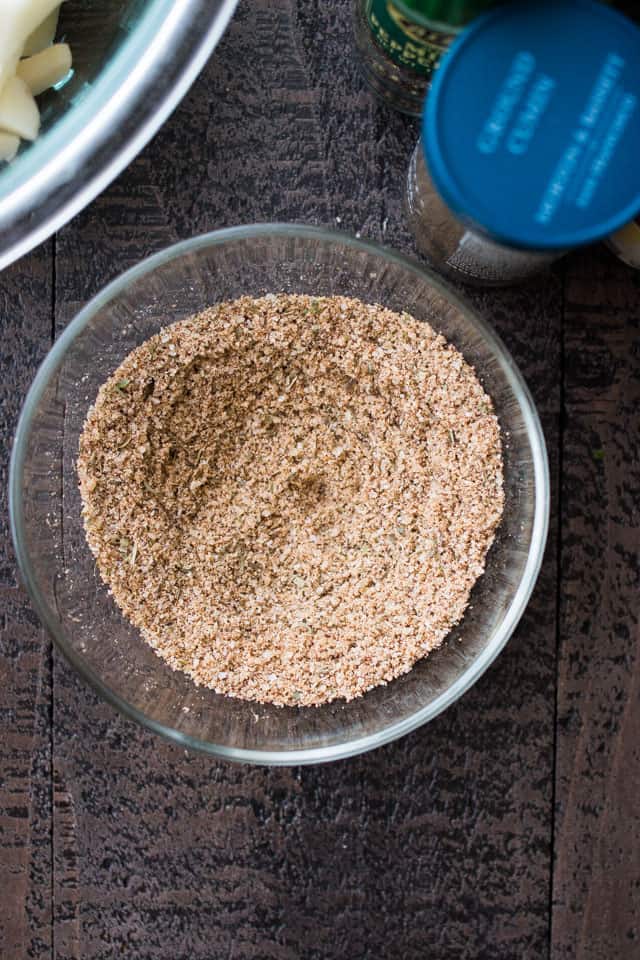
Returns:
<point x="291" y="497"/>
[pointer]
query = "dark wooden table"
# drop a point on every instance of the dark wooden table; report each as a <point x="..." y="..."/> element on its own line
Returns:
<point x="507" y="828"/>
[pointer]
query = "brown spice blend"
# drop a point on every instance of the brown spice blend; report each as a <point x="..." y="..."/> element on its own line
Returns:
<point x="291" y="497"/>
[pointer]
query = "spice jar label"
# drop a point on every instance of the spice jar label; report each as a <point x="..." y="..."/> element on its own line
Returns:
<point x="407" y="43"/>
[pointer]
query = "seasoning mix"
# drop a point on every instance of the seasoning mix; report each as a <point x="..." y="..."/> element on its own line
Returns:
<point x="292" y="497"/>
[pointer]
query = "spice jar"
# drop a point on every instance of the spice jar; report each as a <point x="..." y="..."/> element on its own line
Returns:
<point x="530" y="140"/>
<point x="401" y="42"/>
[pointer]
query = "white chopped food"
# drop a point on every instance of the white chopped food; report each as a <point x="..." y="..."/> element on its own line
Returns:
<point x="46" y="68"/>
<point x="19" y="113"/>
<point x="19" y="18"/>
<point x="43" y="36"/>
<point x="9" y="144"/>
<point x="30" y="63"/>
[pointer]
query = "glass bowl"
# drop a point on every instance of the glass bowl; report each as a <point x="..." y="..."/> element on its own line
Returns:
<point x="133" y="60"/>
<point x="59" y="569"/>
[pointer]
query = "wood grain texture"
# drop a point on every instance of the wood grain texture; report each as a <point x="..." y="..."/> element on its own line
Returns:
<point x="597" y="882"/>
<point x="114" y="843"/>
<point x="25" y="661"/>
<point x="438" y="845"/>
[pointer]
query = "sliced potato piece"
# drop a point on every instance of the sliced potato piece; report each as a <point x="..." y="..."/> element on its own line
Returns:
<point x="19" y="112"/>
<point x="9" y="58"/>
<point x="43" y="36"/>
<point x="9" y="144"/>
<point x="45" y="68"/>
<point x="18" y="19"/>
<point x="32" y="12"/>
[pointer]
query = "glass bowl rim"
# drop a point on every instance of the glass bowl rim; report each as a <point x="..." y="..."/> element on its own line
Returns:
<point x="535" y="436"/>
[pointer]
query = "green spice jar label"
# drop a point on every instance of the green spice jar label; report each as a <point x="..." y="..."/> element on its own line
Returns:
<point x="406" y="42"/>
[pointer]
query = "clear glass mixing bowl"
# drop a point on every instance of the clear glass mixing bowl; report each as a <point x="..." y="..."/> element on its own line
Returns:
<point x="133" y="60"/>
<point x="59" y="570"/>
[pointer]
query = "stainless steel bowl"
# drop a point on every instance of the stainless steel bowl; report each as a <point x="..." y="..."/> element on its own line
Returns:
<point x="133" y="62"/>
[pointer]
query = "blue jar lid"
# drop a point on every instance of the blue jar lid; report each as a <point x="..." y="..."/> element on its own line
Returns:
<point x="531" y="129"/>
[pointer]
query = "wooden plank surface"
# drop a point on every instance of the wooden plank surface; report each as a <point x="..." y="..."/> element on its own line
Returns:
<point x="114" y="843"/>
<point x="25" y="651"/>
<point x="597" y="882"/>
<point x="440" y="842"/>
